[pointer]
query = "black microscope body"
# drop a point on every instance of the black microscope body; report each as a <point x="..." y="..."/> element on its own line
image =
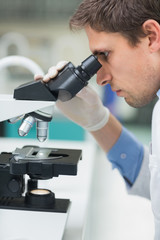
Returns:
<point x="39" y="164"/>
<point x="43" y="163"/>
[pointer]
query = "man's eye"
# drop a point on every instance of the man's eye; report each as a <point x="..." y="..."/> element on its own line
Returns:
<point x="104" y="55"/>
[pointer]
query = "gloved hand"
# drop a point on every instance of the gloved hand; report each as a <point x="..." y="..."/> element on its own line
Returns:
<point x="85" y="109"/>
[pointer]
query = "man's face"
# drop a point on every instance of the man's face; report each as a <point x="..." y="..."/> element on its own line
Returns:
<point x="132" y="72"/>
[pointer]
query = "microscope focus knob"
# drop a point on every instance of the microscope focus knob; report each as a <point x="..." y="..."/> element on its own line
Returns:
<point x="14" y="185"/>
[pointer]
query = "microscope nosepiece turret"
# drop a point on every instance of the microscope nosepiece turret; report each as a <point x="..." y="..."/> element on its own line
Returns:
<point x="41" y="126"/>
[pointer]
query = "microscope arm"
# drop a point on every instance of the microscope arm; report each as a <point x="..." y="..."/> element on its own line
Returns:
<point x="10" y="108"/>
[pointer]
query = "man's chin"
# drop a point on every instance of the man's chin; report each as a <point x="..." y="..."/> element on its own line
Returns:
<point x="135" y="104"/>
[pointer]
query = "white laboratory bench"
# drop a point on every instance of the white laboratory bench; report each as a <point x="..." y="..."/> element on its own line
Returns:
<point x="100" y="207"/>
<point x="76" y="188"/>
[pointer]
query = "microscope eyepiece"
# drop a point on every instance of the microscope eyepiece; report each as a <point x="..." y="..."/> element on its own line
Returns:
<point x="91" y="65"/>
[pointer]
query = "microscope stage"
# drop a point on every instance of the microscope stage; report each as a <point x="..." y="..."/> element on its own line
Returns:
<point x="41" y="163"/>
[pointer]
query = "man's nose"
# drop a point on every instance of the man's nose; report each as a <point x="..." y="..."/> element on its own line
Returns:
<point x="103" y="77"/>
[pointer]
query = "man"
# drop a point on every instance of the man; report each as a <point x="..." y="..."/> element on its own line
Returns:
<point x="125" y="36"/>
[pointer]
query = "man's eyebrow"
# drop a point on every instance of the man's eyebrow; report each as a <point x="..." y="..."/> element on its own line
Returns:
<point x="96" y="53"/>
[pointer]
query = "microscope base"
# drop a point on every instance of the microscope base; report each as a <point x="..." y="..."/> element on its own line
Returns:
<point x="32" y="225"/>
<point x="60" y="205"/>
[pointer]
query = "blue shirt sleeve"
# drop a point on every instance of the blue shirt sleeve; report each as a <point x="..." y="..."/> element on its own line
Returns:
<point x="127" y="155"/>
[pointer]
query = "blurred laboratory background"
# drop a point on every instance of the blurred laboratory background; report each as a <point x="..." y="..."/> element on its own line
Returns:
<point x="39" y="30"/>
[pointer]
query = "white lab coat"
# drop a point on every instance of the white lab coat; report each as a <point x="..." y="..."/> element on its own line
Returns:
<point x="147" y="183"/>
<point x="154" y="166"/>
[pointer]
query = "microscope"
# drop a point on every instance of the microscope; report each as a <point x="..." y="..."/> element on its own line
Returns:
<point x="22" y="200"/>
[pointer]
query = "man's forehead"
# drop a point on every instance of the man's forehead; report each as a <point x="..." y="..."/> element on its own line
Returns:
<point x="102" y="41"/>
<point x="96" y="40"/>
<point x="98" y="45"/>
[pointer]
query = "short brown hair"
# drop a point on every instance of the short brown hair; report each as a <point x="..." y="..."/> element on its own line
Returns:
<point x="123" y="16"/>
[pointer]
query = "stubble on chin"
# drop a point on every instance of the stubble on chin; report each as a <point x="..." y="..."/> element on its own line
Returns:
<point x="139" y="102"/>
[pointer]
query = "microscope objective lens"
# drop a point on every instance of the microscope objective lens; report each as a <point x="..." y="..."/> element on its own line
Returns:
<point x="26" y="126"/>
<point x="42" y="130"/>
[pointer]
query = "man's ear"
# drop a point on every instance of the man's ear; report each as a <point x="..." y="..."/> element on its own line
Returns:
<point x="152" y="30"/>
